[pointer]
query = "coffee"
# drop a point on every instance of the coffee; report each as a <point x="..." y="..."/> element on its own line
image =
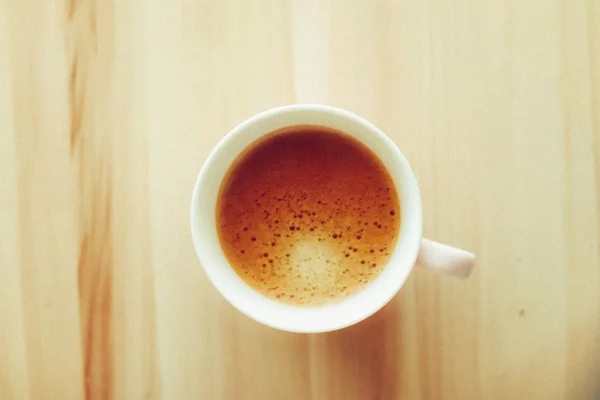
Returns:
<point x="308" y="215"/>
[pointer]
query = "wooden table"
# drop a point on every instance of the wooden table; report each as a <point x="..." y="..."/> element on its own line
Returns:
<point x="109" y="108"/>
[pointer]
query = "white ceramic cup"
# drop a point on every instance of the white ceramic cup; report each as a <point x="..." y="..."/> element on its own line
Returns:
<point x="410" y="247"/>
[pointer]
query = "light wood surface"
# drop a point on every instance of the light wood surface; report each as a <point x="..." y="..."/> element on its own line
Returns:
<point x="109" y="108"/>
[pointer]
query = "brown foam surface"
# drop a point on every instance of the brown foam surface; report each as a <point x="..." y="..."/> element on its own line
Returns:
<point x="308" y="216"/>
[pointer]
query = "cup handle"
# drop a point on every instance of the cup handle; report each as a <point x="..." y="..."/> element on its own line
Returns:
<point x="446" y="259"/>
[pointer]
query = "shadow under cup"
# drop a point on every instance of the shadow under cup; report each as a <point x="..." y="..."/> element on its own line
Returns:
<point x="278" y="315"/>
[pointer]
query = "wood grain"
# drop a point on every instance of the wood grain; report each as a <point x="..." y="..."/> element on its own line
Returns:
<point x="109" y="108"/>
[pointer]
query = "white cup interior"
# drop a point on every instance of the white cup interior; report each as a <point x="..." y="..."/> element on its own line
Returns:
<point x="293" y="318"/>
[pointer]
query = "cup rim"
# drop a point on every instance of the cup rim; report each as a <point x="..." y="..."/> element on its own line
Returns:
<point x="411" y="249"/>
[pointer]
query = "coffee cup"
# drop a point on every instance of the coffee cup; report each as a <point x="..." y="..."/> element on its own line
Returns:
<point x="410" y="249"/>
